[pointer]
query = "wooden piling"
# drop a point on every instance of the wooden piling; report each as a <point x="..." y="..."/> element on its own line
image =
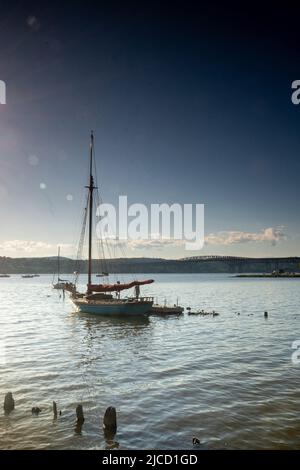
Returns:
<point x="9" y="403"/>
<point x="54" y="408"/>
<point x="35" y="410"/>
<point x="110" y="420"/>
<point x="80" y="415"/>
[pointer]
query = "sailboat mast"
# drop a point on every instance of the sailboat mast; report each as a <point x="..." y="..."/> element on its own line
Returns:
<point x="58" y="264"/>
<point x="91" y="188"/>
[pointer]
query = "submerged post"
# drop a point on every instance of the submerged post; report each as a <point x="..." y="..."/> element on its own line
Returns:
<point x="80" y="419"/>
<point x="9" y="403"/>
<point x="80" y="415"/>
<point x="110" y="422"/>
<point x="54" y="407"/>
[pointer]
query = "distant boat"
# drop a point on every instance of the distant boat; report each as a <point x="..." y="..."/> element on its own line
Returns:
<point x="4" y="275"/>
<point x="99" y="298"/>
<point x="28" y="276"/>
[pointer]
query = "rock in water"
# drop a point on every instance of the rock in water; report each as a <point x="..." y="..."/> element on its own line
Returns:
<point x="9" y="403"/>
<point x="110" y="420"/>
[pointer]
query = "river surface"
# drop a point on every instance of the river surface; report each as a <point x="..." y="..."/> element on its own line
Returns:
<point x="229" y="380"/>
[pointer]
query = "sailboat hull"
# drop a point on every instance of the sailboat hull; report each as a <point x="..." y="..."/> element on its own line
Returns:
<point x="113" y="308"/>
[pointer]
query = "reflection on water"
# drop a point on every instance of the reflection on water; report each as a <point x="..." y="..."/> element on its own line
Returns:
<point x="229" y="380"/>
<point x="117" y="325"/>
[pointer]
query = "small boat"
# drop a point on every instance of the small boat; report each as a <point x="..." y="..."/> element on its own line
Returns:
<point x="105" y="299"/>
<point x="28" y="276"/>
<point x="166" y="310"/>
<point x="4" y="275"/>
<point x="102" y="275"/>
<point x="61" y="283"/>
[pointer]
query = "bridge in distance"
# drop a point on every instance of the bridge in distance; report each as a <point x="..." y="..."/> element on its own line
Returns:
<point x="286" y="263"/>
<point x="242" y="259"/>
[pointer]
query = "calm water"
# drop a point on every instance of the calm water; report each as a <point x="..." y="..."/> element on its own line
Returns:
<point x="228" y="380"/>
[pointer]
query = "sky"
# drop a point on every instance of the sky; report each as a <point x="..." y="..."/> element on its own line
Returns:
<point x="188" y="104"/>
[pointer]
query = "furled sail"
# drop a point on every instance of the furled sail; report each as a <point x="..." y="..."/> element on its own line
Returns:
<point x="117" y="287"/>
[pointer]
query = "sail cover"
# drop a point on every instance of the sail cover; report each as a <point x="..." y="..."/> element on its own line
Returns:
<point x="117" y="287"/>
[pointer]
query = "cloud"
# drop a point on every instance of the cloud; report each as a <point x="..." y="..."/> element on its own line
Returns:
<point x="30" y="247"/>
<point x="144" y="244"/>
<point x="271" y="235"/>
<point x="37" y="248"/>
<point x="158" y="244"/>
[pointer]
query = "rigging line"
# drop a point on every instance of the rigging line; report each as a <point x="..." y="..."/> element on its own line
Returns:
<point x="122" y="249"/>
<point x="79" y="221"/>
<point x="100" y="261"/>
<point x="105" y="243"/>
<point x="101" y="244"/>
<point x="101" y="238"/>
<point x="82" y="235"/>
<point x="118" y="244"/>
<point x="103" y="261"/>
<point x="78" y="261"/>
<point x="110" y="248"/>
<point x="101" y="247"/>
<point x="80" y="231"/>
<point x="82" y="228"/>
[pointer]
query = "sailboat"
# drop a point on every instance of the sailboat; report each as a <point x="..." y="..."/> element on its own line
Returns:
<point x="61" y="283"/>
<point x="105" y="299"/>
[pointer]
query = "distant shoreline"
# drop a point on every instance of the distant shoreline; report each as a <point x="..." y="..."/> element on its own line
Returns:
<point x="271" y="276"/>
<point x="196" y="264"/>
